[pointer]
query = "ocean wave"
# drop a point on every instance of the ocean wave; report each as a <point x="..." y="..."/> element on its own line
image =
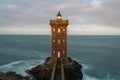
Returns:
<point x="22" y="65"/>
<point x="91" y="73"/>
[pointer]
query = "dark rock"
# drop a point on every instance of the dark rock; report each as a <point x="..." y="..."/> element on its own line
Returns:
<point x="40" y="72"/>
<point x="73" y="72"/>
<point x="12" y="76"/>
<point x="44" y="71"/>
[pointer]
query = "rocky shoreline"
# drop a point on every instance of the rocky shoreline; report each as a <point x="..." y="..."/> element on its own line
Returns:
<point x="44" y="71"/>
<point x="12" y="76"/>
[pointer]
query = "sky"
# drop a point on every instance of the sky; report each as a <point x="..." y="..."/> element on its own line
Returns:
<point x="86" y="17"/>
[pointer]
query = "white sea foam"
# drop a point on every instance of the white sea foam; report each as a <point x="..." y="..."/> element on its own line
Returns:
<point x="106" y="76"/>
<point x="85" y="76"/>
<point x="20" y="67"/>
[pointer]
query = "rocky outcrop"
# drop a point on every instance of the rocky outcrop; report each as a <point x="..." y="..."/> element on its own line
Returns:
<point x="40" y="72"/>
<point x="12" y="76"/>
<point x="44" y="71"/>
<point x="72" y="71"/>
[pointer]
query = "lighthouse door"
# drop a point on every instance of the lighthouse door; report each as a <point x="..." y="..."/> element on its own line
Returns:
<point x="58" y="55"/>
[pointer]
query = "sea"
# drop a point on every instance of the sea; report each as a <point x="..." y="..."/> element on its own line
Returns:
<point x="99" y="55"/>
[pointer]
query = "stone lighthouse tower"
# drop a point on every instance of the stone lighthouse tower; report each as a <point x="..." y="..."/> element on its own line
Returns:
<point x="58" y="39"/>
<point x="58" y="66"/>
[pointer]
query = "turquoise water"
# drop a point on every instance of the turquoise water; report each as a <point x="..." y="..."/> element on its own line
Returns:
<point x="99" y="55"/>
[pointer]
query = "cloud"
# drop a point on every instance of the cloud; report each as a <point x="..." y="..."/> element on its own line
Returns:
<point x="26" y="30"/>
<point x="94" y="30"/>
<point x="22" y="14"/>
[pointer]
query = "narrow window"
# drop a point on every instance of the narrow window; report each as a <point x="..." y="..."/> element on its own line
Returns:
<point x="53" y="29"/>
<point x="63" y="52"/>
<point x="58" y="54"/>
<point x="53" y="40"/>
<point x="63" y="40"/>
<point x="63" y="29"/>
<point x="58" y="41"/>
<point x="53" y="52"/>
<point x="58" y="30"/>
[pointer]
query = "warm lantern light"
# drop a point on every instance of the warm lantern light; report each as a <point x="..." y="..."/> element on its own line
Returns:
<point x="59" y="15"/>
<point x="58" y="30"/>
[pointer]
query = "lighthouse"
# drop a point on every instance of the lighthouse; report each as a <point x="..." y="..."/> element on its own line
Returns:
<point x="58" y="39"/>
<point x="58" y="66"/>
